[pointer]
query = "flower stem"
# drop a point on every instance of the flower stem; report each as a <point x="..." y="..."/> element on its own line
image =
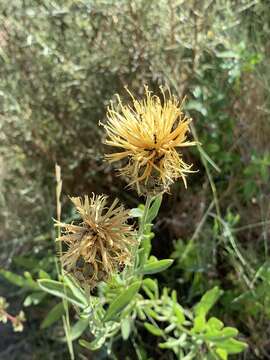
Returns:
<point x="59" y="268"/>
<point x="141" y="231"/>
<point x="144" y="217"/>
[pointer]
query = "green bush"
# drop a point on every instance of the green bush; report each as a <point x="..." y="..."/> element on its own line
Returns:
<point x="61" y="64"/>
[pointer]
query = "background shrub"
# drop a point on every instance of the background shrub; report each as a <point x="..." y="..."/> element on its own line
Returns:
<point x="61" y="64"/>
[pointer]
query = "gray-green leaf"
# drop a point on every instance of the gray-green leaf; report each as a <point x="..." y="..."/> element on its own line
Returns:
<point x="121" y="301"/>
<point x="207" y="301"/>
<point x="156" y="266"/>
<point x="58" y="289"/>
<point x="53" y="315"/>
<point x="154" y="329"/>
<point x="154" y="209"/>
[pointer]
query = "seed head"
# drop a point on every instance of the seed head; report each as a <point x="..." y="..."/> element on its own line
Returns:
<point x="100" y="243"/>
<point x="149" y="136"/>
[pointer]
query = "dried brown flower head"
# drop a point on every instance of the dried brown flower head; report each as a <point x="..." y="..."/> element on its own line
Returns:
<point x="149" y="135"/>
<point x="100" y="244"/>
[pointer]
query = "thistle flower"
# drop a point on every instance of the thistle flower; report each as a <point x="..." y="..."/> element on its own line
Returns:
<point x="149" y="135"/>
<point x="100" y="244"/>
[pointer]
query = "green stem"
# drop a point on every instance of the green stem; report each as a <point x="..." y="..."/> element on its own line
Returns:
<point x="144" y="242"/>
<point x="141" y="231"/>
<point x="59" y="268"/>
<point x="144" y="217"/>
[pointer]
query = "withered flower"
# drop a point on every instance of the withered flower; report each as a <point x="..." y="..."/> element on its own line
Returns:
<point x="18" y="321"/>
<point x="149" y="135"/>
<point x="100" y="244"/>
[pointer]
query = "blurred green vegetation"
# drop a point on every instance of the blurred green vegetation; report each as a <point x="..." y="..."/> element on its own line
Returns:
<point x="61" y="64"/>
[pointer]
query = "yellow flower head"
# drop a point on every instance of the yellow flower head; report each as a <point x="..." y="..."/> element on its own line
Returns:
<point x="100" y="244"/>
<point x="149" y="135"/>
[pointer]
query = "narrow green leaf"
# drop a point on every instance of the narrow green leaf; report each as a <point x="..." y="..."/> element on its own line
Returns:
<point x="207" y="301"/>
<point x="12" y="278"/>
<point x="154" y="329"/>
<point x="125" y="328"/>
<point x="76" y="290"/>
<point x="222" y="354"/>
<point x="145" y="249"/>
<point x="215" y="323"/>
<point x="85" y="344"/>
<point x="151" y="285"/>
<point x="156" y="266"/>
<point x="34" y="298"/>
<point x="229" y="331"/>
<point x="150" y="313"/>
<point x="58" y="289"/>
<point x="122" y="301"/>
<point x="232" y="346"/>
<point x="77" y="329"/>
<point x="93" y="345"/>
<point x="43" y="274"/>
<point x="199" y="324"/>
<point x="148" y="292"/>
<point x="141" y="314"/>
<point x="220" y="335"/>
<point x="29" y="280"/>
<point x="53" y="315"/>
<point x="154" y="209"/>
<point x="18" y="280"/>
<point x="179" y="312"/>
<point x="173" y="343"/>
